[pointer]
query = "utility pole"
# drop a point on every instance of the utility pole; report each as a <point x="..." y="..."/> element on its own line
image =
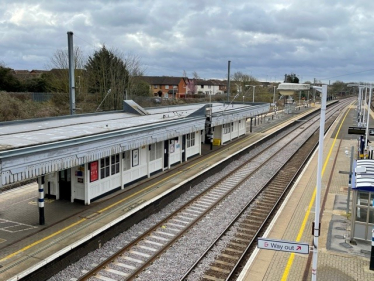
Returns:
<point x="71" y="72"/>
<point x="228" y="82"/>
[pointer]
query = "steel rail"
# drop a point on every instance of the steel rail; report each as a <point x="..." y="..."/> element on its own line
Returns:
<point x="286" y="167"/>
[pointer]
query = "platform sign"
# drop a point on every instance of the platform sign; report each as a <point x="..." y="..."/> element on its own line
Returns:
<point x="284" y="246"/>
<point x="360" y="131"/>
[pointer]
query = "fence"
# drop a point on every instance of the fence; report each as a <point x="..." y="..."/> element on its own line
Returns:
<point x="38" y="97"/>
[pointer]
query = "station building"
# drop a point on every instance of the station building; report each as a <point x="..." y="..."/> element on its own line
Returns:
<point x="84" y="157"/>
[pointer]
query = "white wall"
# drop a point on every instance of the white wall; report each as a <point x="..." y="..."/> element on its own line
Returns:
<point x="196" y="148"/>
<point x="54" y="188"/>
<point x="226" y="136"/>
<point x="157" y="163"/>
<point x="138" y="168"/>
<point x="242" y="127"/>
<point x="175" y="147"/>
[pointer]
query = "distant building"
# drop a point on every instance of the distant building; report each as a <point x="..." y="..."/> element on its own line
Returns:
<point x="26" y="74"/>
<point x="166" y="86"/>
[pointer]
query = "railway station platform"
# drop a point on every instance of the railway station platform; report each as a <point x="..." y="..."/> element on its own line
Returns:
<point x="338" y="258"/>
<point x="25" y="246"/>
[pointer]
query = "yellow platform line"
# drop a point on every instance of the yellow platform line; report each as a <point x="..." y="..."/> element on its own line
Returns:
<point x="41" y="240"/>
<point x="303" y="224"/>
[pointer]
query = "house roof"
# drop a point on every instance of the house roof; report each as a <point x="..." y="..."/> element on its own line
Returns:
<point x="203" y="82"/>
<point x="219" y="82"/>
<point x="161" y="80"/>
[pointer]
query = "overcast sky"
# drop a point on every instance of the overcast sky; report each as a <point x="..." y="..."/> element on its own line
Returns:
<point x="322" y="39"/>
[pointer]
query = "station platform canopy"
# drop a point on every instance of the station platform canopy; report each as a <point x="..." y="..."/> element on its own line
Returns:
<point x="34" y="147"/>
<point x="289" y="89"/>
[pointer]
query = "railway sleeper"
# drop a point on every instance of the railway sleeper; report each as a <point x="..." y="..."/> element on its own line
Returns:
<point x="246" y="230"/>
<point x="211" y="278"/>
<point x="224" y="262"/>
<point x="252" y="222"/>
<point x="233" y="250"/>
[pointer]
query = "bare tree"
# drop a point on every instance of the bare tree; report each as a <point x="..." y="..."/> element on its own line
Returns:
<point x="241" y="79"/>
<point x="59" y="74"/>
<point x="135" y="69"/>
<point x="195" y="75"/>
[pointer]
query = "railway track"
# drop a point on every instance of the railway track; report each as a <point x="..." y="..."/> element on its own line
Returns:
<point x="130" y="261"/>
<point x="253" y="218"/>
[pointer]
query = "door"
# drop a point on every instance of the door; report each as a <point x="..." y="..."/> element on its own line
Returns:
<point x="166" y="154"/>
<point x="65" y="184"/>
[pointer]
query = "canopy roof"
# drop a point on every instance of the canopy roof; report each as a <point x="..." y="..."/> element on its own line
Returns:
<point x="363" y="176"/>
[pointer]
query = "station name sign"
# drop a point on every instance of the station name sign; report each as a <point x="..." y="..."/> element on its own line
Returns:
<point x="284" y="246"/>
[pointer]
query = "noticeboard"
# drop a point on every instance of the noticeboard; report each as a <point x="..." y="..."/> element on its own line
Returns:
<point x="94" y="171"/>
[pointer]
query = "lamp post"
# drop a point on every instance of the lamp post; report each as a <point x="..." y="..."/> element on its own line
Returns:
<point x="359" y="103"/>
<point x="368" y="117"/>
<point x="316" y="226"/>
<point x="363" y="113"/>
<point x="253" y="96"/>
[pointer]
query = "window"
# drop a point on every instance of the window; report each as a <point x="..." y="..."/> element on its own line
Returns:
<point x="361" y="214"/>
<point x="209" y="86"/>
<point x="227" y="128"/>
<point x="166" y="86"/>
<point x="104" y="167"/>
<point x="202" y="86"/>
<point x="115" y="164"/>
<point x="363" y="198"/>
<point x="155" y="86"/>
<point x="126" y="160"/>
<point x="155" y="151"/>
<point x="190" y="139"/>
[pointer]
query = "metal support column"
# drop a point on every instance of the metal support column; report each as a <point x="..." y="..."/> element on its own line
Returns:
<point x="41" y="201"/>
<point x="71" y="72"/>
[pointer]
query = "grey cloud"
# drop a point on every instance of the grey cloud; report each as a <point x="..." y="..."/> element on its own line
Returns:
<point x="268" y="38"/>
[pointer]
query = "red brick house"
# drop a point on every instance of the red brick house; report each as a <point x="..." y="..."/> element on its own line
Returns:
<point x="166" y="86"/>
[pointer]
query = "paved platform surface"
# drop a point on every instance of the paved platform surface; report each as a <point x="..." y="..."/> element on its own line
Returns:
<point x="338" y="259"/>
<point x="25" y="245"/>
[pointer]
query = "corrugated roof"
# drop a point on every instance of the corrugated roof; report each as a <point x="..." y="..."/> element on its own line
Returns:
<point x="363" y="176"/>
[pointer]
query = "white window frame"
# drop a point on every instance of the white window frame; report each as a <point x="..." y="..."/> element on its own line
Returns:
<point x="104" y="167"/>
<point x="155" y="151"/>
<point x="190" y="139"/>
<point x="114" y="163"/>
